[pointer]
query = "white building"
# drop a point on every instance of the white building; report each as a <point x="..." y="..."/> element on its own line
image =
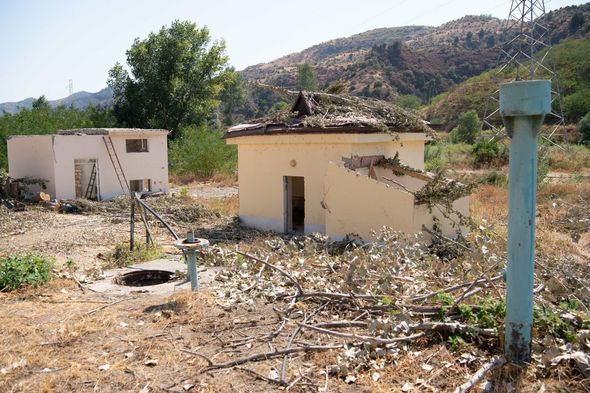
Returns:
<point x="92" y="163"/>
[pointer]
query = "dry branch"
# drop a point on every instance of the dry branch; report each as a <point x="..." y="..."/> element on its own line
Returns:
<point x="478" y="376"/>
<point x="269" y="355"/>
<point x="278" y="269"/>
<point x="370" y="339"/>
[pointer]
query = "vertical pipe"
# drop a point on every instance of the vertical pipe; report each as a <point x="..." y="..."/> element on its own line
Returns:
<point x="521" y="240"/>
<point x="192" y="268"/>
<point x="132" y="225"/>
<point x="192" y="262"/>
<point x="523" y="106"/>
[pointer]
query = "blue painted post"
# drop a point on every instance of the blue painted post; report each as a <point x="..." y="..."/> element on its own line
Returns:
<point x="523" y="105"/>
<point x="192" y="262"/>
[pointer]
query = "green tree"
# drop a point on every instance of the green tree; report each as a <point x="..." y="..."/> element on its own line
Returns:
<point x="232" y="96"/>
<point x="201" y="151"/>
<point x="176" y="77"/>
<point x="467" y="128"/>
<point x="306" y="79"/>
<point x="409" y="101"/>
<point x="584" y="128"/>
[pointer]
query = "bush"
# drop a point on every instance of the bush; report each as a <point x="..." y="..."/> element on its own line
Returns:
<point x="202" y="152"/>
<point x="20" y="271"/>
<point x="467" y="128"/>
<point x="584" y="129"/>
<point x="408" y="101"/>
<point x="439" y="156"/>
<point x="487" y="153"/>
<point x="122" y="256"/>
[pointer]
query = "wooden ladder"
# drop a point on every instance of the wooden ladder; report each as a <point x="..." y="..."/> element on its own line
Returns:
<point x="91" y="183"/>
<point x="108" y="142"/>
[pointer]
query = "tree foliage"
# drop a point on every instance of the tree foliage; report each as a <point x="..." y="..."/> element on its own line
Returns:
<point x="201" y="151"/>
<point x="306" y="79"/>
<point x="584" y="128"/>
<point x="408" y="101"/>
<point x="176" y="77"/>
<point x="42" y="119"/>
<point x="467" y="128"/>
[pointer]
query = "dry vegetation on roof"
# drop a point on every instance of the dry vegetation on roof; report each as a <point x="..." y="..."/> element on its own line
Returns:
<point x="332" y="110"/>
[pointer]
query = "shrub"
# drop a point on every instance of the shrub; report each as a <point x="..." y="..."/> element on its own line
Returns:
<point x="408" y="101"/>
<point x="20" y="271"/>
<point x="202" y="152"/>
<point x="122" y="256"/>
<point x="584" y="129"/>
<point x="487" y="153"/>
<point x="439" y="156"/>
<point x="467" y="128"/>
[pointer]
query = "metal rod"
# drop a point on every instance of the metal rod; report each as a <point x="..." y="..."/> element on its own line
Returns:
<point x="149" y="209"/>
<point x="523" y="106"/>
<point x="132" y="225"/>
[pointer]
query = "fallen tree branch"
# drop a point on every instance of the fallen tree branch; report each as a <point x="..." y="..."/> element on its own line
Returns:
<point x="478" y="376"/>
<point x="269" y="355"/>
<point x="370" y="339"/>
<point x="278" y="269"/>
<point x="456" y="287"/>
<point x="106" y="305"/>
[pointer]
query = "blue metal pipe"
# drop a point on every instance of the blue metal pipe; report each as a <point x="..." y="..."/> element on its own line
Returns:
<point x="523" y="106"/>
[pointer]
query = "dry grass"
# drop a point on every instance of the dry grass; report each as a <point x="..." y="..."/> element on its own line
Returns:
<point x="228" y="206"/>
<point x="217" y="179"/>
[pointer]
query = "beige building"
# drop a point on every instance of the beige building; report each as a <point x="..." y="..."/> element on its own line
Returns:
<point x="92" y="163"/>
<point x="336" y="165"/>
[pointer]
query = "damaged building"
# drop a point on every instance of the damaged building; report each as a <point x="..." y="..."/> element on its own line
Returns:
<point x="92" y="163"/>
<point x="338" y="165"/>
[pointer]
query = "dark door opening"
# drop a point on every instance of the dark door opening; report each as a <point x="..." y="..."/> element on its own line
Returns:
<point x="294" y="204"/>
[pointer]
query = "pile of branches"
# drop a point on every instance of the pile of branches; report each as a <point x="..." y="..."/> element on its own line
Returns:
<point x="366" y="302"/>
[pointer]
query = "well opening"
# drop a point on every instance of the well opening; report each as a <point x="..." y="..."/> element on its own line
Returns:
<point x="144" y="278"/>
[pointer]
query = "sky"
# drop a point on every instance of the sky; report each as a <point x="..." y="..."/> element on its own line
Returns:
<point x="44" y="44"/>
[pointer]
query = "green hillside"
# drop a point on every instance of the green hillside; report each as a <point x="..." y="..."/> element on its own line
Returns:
<point x="572" y="62"/>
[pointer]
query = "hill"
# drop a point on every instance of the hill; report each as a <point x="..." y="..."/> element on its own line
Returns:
<point x="79" y="100"/>
<point x="418" y="60"/>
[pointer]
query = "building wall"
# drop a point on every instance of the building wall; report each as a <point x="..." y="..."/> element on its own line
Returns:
<point x="263" y="161"/>
<point x="32" y="156"/>
<point x="52" y="157"/>
<point x="149" y="165"/>
<point x="358" y="204"/>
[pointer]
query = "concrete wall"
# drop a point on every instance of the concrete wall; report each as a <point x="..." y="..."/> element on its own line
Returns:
<point x="55" y="154"/>
<point x="32" y="156"/>
<point x="263" y="161"/>
<point x="358" y="204"/>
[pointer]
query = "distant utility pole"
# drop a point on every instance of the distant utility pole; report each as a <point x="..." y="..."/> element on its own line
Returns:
<point x="525" y="55"/>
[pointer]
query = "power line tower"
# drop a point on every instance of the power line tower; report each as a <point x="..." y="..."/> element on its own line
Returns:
<point x="70" y="87"/>
<point x="525" y="56"/>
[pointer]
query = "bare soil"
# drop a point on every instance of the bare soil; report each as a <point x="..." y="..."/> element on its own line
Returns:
<point x="63" y="337"/>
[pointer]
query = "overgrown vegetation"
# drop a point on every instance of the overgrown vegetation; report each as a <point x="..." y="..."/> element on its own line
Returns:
<point x="122" y="256"/>
<point x="203" y="152"/>
<point x="42" y="119"/>
<point x="467" y="129"/>
<point x="24" y="270"/>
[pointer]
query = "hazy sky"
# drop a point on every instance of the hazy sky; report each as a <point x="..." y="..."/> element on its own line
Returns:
<point x="45" y="43"/>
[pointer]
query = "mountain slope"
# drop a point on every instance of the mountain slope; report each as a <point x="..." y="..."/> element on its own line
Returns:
<point x="419" y="60"/>
<point x="79" y="100"/>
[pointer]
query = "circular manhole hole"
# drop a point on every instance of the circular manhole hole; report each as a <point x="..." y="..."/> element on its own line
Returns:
<point x="144" y="278"/>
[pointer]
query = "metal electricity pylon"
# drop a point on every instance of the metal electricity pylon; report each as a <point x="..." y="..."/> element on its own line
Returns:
<point x="525" y="55"/>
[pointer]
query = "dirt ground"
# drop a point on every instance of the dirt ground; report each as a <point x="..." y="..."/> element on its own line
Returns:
<point x="62" y="337"/>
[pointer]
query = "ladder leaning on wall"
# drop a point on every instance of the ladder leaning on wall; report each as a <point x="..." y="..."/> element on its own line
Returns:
<point x="108" y="142"/>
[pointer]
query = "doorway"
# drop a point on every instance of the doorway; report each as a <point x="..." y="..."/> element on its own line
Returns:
<point x="86" y="178"/>
<point x="294" y="187"/>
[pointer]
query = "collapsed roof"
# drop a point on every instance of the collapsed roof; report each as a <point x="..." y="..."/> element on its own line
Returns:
<point x="321" y="113"/>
